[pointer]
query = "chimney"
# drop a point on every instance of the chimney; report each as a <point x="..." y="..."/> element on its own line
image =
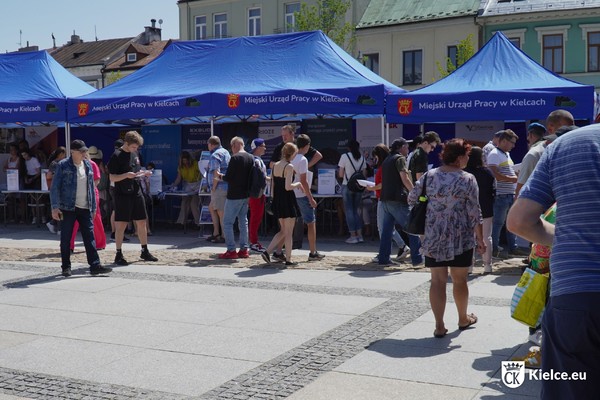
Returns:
<point x="28" y="48"/>
<point x="75" y="38"/>
<point x="151" y="33"/>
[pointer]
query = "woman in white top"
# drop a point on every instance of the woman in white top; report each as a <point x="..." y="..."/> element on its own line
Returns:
<point x="350" y="163"/>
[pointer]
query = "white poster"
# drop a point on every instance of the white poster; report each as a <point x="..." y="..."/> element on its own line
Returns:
<point x="369" y="132"/>
<point x="44" y="180"/>
<point x="156" y="181"/>
<point x="12" y="179"/>
<point x="203" y="163"/>
<point x="326" y="181"/>
<point x="35" y="134"/>
<point x="478" y="131"/>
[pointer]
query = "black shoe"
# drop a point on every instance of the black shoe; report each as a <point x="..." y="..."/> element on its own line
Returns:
<point x="279" y="257"/>
<point x="316" y="256"/>
<point x="99" y="269"/>
<point x="290" y="263"/>
<point x="146" y="256"/>
<point x="66" y="271"/>
<point x="120" y="260"/>
<point x="265" y="256"/>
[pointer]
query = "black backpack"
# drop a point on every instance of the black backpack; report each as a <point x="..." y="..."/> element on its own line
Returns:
<point x="257" y="181"/>
<point x="353" y="184"/>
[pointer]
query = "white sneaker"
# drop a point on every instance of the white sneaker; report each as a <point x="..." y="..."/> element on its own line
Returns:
<point x="51" y="227"/>
<point x="403" y="253"/>
<point x="360" y="239"/>
<point x="33" y="221"/>
<point x="352" y="240"/>
<point x="536" y="338"/>
<point x="487" y="269"/>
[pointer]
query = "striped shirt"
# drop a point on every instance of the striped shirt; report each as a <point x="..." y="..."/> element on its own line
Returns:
<point x="501" y="160"/>
<point x="569" y="173"/>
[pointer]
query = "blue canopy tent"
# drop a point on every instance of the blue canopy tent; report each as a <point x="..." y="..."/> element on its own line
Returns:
<point x="34" y="88"/>
<point x="298" y="73"/>
<point x="499" y="83"/>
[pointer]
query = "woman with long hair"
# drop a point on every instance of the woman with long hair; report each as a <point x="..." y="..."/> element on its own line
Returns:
<point x="189" y="174"/>
<point x="487" y="192"/>
<point x="284" y="205"/>
<point x="380" y="153"/>
<point x="352" y="162"/>
<point x="453" y="228"/>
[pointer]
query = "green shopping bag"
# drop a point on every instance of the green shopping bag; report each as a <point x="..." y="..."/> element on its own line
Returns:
<point x="529" y="298"/>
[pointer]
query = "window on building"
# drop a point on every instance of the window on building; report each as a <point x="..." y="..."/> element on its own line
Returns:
<point x="290" y="19"/>
<point x="254" y="22"/>
<point x="220" y="23"/>
<point x="453" y="54"/>
<point x="131" y="57"/>
<point x="553" y="52"/>
<point x="412" y="67"/>
<point x="593" y="51"/>
<point x="200" y="27"/>
<point x="371" y="61"/>
<point x="516" y="41"/>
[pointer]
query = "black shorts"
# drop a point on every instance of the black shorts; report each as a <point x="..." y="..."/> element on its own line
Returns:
<point x="462" y="260"/>
<point x="130" y="208"/>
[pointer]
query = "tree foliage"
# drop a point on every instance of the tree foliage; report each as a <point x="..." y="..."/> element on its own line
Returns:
<point x="328" y="16"/>
<point x="112" y="77"/>
<point x="464" y="50"/>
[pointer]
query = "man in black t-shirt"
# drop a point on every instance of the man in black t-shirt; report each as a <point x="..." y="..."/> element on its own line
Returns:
<point x="236" y="205"/>
<point x="288" y="134"/>
<point x="419" y="162"/>
<point x="125" y="171"/>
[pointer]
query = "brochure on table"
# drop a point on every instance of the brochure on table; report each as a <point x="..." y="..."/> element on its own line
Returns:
<point x="205" y="217"/>
<point x="326" y="181"/>
<point x="44" y="180"/>
<point x="156" y="181"/>
<point x="12" y="179"/>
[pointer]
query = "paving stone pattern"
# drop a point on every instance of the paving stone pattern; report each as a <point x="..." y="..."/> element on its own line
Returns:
<point x="276" y="379"/>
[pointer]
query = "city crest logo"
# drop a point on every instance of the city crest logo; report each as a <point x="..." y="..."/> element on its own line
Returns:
<point x="82" y="109"/>
<point x="233" y="100"/>
<point x="405" y="106"/>
<point x="513" y="373"/>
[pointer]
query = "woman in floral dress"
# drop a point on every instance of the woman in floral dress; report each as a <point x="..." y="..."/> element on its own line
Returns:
<point x="452" y="230"/>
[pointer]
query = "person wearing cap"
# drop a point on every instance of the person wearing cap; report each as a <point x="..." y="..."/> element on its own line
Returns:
<point x="395" y="185"/>
<point x="491" y="145"/>
<point x="257" y="205"/>
<point x="537" y="145"/>
<point x="72" y="198"/>
<point x="125" y="171"/>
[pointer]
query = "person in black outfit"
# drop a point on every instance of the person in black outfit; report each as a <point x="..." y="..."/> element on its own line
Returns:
<point x="284" y="206"/>
<point x="236" y="205"/>
<point x="487" y="192"/>
<point x="125" y="171"/>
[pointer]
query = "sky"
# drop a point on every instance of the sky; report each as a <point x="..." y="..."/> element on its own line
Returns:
<point x="112" y="19"/>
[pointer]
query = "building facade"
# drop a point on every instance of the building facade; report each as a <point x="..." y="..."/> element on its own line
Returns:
<point x="563" y="36"/>
<point x="403" y="41"/>
<point x="215" y="19"/>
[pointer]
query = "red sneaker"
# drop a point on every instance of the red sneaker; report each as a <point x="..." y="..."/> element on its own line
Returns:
<point x="229" y="255"/>
<point x="243" y="253"/>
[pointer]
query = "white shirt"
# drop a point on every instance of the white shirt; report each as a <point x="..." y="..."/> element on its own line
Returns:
<point x="81" y="200"/>
<point x="350" y="167"/>
<point x="300" y="164"/>
<point x="33" y="166"/>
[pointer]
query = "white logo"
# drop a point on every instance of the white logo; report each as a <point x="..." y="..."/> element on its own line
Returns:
<point x="513" y="373"/>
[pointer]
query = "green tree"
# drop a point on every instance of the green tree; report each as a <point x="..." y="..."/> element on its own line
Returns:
<point x="464" y="51"/>
<point x="112" y="77"/>
<point x="328" y="16"/>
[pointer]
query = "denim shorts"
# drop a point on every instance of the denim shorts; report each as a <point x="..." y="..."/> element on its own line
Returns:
<point x="308" y="213"/>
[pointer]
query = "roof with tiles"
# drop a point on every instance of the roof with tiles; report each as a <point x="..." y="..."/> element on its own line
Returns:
<point x="508" y="7"/>
<point x="146" y="54"/>
<point x="395" y="12"/>
<point x="89" y="53"/>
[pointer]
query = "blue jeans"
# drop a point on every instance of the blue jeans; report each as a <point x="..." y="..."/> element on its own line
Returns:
<point x="86" y="227"/>
<point x="502" y="204"/>
<point x="235" y="209"/>
<point x="395" y="235"/>
<point x="395" y="212"/>
<point x="352" y="202"/>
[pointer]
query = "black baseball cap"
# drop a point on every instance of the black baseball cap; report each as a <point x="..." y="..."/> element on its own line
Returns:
<point x="78" y="145"/>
